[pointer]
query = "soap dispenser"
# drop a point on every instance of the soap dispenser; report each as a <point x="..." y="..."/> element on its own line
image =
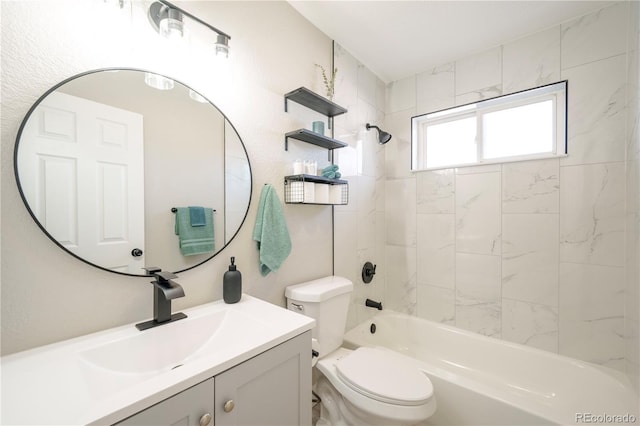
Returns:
<point x="232" y="284"/>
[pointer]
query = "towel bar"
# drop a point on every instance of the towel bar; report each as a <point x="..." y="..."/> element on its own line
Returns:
<point x="174" y="210"/>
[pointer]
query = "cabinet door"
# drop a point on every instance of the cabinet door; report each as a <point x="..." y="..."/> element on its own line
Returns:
<point x="271" y="389"/>
<point x="188" y="408"/>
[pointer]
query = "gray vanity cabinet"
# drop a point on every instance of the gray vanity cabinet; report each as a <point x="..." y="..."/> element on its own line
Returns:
<point x="270" y="389"/>
<point x="191" y="407"/>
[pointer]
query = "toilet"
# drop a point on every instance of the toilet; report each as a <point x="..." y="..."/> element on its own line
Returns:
<point x="365" y="386"/>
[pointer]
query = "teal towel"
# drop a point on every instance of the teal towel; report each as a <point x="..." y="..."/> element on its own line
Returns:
<point x="194" y="240"/>
<point x="197" y="216"/>
<point x="271" y="232"/>
<point x="331" y="172"/>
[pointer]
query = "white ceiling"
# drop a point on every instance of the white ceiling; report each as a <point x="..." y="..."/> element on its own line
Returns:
<point x="396" y="38"/>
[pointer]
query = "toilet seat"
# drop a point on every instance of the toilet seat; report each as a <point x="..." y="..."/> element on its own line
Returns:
<point x="384" y="376"/>
<point x="365" y="399"/>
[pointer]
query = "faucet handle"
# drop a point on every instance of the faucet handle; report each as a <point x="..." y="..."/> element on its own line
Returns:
<point x="151" y="270"/>
<point x="165" y="275"/>
<point x="159" y="273"/>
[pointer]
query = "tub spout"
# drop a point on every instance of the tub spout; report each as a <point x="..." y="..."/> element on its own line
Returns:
<point x="373" y="304"/>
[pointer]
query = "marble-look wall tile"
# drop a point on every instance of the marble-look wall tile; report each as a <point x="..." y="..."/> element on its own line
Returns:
<point x="633" y="100"/>
<point x="435" y="89"/>
<point x="531" y="61"/>
<point x="591" y="313"/>
<point x="346" y="244"/>
<point x="595" y="36"/>
<point x="366" y="212"/>
<point x="596" y="112"/>
<point x="435" y="191"/>
<point x="401" y="95"/>
<point x="479" y="94"/>
<point x="436" y="250"/>
<point x="514" y="222"/>
<point x="479" y="71"/>
<point x="478" y="277"/>
<point x="632" y="264"/>
<point x="347" y="158"/>
<point x="359" y="227"/>
<point x="398" y="151"/>
<point x="346" y="87"/>
<point x="530" y="324"/>
<point x="380" y="250"/>
<point x="436" y="304"/>
<point x="482" y="317"/>
<point x="400" y="290"/>
<point x="401" y="212"/>
<point x="478" y="293"/>
<point x="531" y="187"/>
<point x="530" y="258"/>
<point x="592" y="214"/>
<point x="478" y="219"/>
<point x="367" y="84"/>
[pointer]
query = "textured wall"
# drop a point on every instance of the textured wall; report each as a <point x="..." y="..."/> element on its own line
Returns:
<point x="531" y="252"/>
<point x="46" y="294"/>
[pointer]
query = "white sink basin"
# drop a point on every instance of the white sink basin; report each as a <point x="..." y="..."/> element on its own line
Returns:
<point x="107" y="376"/>
<point x="165" y="347"/>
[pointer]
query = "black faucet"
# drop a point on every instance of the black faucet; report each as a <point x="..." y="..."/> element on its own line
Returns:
<point x="373" y="304"/>
<point x="164" y="291"/>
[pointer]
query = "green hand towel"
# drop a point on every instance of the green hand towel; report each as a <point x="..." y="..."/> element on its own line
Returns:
<point x="194" y="240"/>
<point x="197" y="215"/>
<point x="271" y="232"/>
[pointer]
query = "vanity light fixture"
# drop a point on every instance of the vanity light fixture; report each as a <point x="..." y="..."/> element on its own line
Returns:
<point x="383" y="137"/>
<point x="157" y="81"/>
<point x="197" y="97"/>
<point x="167" y="19"/>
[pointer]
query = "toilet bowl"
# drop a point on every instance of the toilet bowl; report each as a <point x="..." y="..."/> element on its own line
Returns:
<point x="365" y="386"/>
<point x="375" y="386"/>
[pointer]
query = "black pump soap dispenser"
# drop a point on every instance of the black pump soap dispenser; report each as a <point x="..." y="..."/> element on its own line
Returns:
<point x="232" y="284"/>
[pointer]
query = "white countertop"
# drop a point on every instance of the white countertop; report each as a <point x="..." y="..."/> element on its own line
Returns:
<point x="55" y="384"/>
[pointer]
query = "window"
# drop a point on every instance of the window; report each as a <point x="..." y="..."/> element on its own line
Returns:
<point x="525" y="125"/>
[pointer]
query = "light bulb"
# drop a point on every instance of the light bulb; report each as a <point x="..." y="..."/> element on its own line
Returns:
<point x="171" y="25"/>
<point x="158" y="81"/>
<point x="222" y="46"/>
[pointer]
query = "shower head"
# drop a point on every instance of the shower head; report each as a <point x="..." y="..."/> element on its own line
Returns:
<point x="383" y="137"/>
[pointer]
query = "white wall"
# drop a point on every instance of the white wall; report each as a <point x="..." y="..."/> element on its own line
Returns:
<point x="47" y="295"/>
<point x="531" y="252"/>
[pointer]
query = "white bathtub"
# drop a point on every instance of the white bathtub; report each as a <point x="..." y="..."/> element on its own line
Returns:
<point x="480" y="380"/>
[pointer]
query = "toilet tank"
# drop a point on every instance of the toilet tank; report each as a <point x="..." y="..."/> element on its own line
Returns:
<point x="327" y="301"/>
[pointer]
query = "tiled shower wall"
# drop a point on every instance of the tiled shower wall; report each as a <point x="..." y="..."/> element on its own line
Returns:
<point x="530" y="252"/>
<point x="359" y="226"/>
<point x="632" y="270"/>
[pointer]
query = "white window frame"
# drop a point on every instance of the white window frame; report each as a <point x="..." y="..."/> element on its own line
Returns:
<point x="556" y="92"/>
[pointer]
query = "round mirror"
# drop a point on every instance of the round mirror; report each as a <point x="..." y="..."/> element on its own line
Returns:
<point x="127" y="169"/>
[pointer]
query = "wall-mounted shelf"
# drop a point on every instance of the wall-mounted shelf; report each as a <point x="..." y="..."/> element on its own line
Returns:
<point x="313" y="138"/>
<point x="313" y="101"/>
<point x="310" y="189"/>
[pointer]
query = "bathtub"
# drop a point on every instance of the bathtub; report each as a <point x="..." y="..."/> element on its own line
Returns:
<point x="480" y="380"/>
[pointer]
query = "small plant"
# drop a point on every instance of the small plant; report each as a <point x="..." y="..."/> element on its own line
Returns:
<point x="329" y="83"/>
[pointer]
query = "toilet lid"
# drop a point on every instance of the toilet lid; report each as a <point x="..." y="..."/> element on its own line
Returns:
<point x="384" y="376"/>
